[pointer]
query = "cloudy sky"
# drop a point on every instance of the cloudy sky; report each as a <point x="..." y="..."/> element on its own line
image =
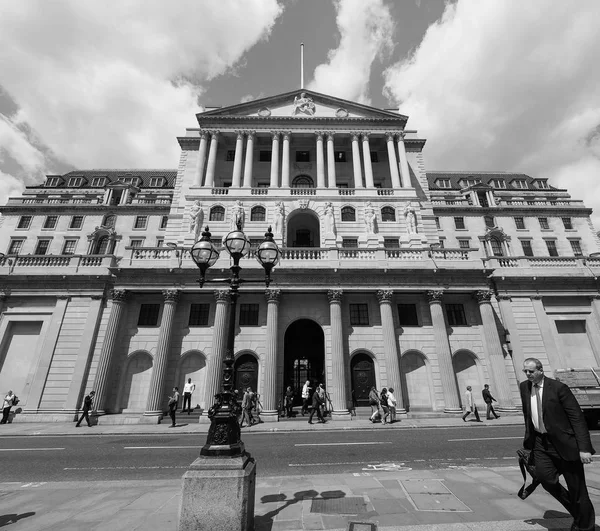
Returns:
<point x="509" y="85"/>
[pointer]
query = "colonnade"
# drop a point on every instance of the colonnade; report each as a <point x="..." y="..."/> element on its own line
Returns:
<point x="280" y="153"/>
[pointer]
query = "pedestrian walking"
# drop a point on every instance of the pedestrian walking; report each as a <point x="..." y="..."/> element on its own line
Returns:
<point x="470" y="406"/>
<point x="173" y="402"/>
<point x="488" y="399"/>
<point x="323" y="405"/>
<point x="87" y="405"/>
<point x="374" y="403"/>
<point x="383" y="403"/>
<point x="392" y="402"/>
<point x="306" y="388"/>
<point x="557" y="434"/>
<point x="289" y="401"/>
<point x="317" y="403"/>
<point x="188" y="389"/>
<point x="247" y="406"/>
<point x="10" y="400"/>
<point x="257" y="409"/>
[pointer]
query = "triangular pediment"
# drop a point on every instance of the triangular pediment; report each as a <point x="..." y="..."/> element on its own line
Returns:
<point x="304" y="104"/>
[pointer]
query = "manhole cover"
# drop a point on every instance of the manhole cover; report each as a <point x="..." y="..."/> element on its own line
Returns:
<point x="354" y="505"/>
<point x="362" y="526"/>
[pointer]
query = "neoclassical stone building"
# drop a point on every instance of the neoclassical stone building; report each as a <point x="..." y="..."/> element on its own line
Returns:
<point x="390" y="275"/>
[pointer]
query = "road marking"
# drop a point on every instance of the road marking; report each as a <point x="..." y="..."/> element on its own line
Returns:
<point x="122" y="467"/>
<point x="159" y="447"/>
<point x="33" y="485"/>
<point x="330" y="464"/>
<point x="484" y="439"/>
<point x="341" y="443"/>
<point x="388" y="467"/>
<point x="28" y="449"/>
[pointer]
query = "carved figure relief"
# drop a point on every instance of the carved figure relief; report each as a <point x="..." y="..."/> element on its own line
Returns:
<point x="303" y="104"/>
<point x="411" y="219"/>
<point x="196" y="217"/>
<point x="329" y="220"/>
<point x="279" y="218"/>
<point x="237" y="216"/>
<point x="370" y="219"/>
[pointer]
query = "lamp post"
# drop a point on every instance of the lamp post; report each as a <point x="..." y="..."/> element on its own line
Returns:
<point x="218" y="489"/>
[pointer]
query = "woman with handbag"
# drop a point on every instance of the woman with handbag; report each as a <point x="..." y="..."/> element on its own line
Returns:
<point x="173" y="401"/>
<point x="10" y="400"/>
<point x="374" y="403"/>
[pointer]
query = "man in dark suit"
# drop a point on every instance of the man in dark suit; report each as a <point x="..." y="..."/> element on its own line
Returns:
<point x="87" y="405"/>
<point x="556" y="431"/>
<point x="488" y="399"/>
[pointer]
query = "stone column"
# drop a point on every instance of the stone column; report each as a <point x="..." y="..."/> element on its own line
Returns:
<point x="275" y="161"/>
<point x="212" y="160"/>
<point x="337" y="390"/>
<point x="249" y="160"/>
<point x="367" y="158"/>
<point x="493" y="352"/>
<point x="270" y="389"/>
<point x="201" y="158"/>
<point x="215" y="362"/>
<point x="389" y="346"/>
<point x="356" y="161"/>
<point x="331" y="162"/>
<point x="594" y="335"/>
<point x="447" y="377"/>
<point x="391" y="149"/>
<point x="116" y="317"/>
<point x="320" y="162"/>
<point x="285" y="161"/>
<point x="404" y="171"/>
<point x="156" y="395"/>
<point x="505" y="303"/>
<point x="548" y="331"/>
<point x="237" y="160"/>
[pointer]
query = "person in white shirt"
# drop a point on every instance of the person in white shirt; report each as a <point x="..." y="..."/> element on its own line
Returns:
<point x="470" y="406"/>
<point x="306" y="397"/>
<point x="392" y="404"/>
<point x="188" y="389"/>
<point x="8" y="403"/>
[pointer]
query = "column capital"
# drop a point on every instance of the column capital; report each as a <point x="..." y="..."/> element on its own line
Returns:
<point x="536" y="297"/>
<point x="334" y="295"/>
<point x="204" y="134"/>
<point x="222" y="295"/>
<point x="275" y="134"/>
<point x="239" y="134"/>
<point x="355" y="136"/>
<point x="171" y="295"/>
<point x="319" y="135"/>
<point x="483" y="295"/>
<point x="365" y="135"/>
<point x="400" y="135"/>
<point x="250" y="133"/>
<point x="504" y="297"/>
<point x="330" y="135"/>
<point x="286" y="135"/>
<point x="389" y="136"/>
<point x="435" y="295"/>
<point x="273" y="295"/>
<point x="214" y="133"/>
<point x="119" y="295"/>
<point x="384" y="295"/>
<point x="63" y="297"/>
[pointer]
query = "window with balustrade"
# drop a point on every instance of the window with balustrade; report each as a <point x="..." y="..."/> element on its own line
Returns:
<point x="576" y="247"/>
<point x="69" y="247"/>
<point x="258" y="213"/>
<point x="136" y="243"/>
<point x="391" y="243"/>
<point x="388" y="214"/>
<point x="464" y="244"/>
<point x="42" y="247"/>
<point x="217" y="213"/>
<point x="527" y="249"/>
<point x="15" y="246"/>
<point x="551" y="246"/>
<point x="350" y="243"/>
<point x="496" y="246"/>
<point x="348" y="214"/>
<point x="303" y="181"/>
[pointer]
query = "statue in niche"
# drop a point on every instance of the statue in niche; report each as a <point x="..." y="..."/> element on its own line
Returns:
<point x="196" y="216"/>
<point x="237" y="216"/>
<point x="329" y="219"/>
<point x="411" y="219"/>
<point x="303" y="105"/>
<point x="370" y="218"/>
<point x="279" y="218"/>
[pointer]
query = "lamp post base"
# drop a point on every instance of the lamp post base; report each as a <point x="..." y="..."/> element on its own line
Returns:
<point x="218" y="494"/>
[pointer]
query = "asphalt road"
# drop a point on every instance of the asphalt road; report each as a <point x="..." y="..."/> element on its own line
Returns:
<point x="110" y="457"/>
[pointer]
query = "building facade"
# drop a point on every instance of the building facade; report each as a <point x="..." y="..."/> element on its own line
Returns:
<point x="390" y="275"/>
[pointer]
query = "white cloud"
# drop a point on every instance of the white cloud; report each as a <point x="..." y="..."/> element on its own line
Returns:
<point x="111" y="86"/>
<point x="366" y="29"/>
<point x="509" y="85"/>
<point x="10" y="186"/>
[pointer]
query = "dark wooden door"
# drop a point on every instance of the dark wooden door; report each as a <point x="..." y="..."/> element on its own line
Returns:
<point x="246" y="374"/>
<point x="363" y="378"/>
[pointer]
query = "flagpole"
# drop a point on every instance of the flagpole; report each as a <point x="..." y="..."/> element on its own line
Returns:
<point x="301" y="65"/>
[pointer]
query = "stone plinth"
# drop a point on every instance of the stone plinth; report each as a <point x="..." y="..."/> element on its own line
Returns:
<point x="269" y="416"/>
<point x="218" y="494"/>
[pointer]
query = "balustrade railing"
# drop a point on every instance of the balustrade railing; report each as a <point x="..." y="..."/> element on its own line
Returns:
<point x="303" y="191"/>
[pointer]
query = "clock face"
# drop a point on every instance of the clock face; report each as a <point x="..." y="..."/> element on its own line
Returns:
<point x="341" y="113"/>
<point x="264" y="111"/>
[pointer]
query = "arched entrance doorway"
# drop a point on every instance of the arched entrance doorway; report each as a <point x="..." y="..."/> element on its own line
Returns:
<point x="467" y="373"/>
<point x="416" y="387"/>
<point x="246" y="373"/>
<point x="136" y="383"/>
<point x="304" y="356"/>
<point x="363" y="378"/>
<point x="303" y="229"/>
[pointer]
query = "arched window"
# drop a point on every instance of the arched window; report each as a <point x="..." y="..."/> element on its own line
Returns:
<point x="102" y="245"/>
<point x="496" y="245"/>
<point x="303" y="181"/>
<point x="388" y="214"/>
<point x="348" y="214"/>
<point x="490" y="223"/>
<point x="258" y="213"/>
<point x="217" y="213"/>
<point x="109" y="221"/>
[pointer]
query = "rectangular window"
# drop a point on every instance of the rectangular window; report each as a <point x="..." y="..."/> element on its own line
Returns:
<point x="542" y="184"/>
<point x="156" y="182"/>
<point x="456" y="315"/>
<point x="24" y="222"/>
<point x="199" y="315"/>
<point x="391" y="243"/>
<point x="443" y="183"/>
<point x="230" y="156"/>
<point x="520" y="222"/>
<point x="350" y="243"/>
<point x="526" y="245"/>
<point x="459" y="222"/>
<point x="249" y="314"/>
<point x="98" y="182"/>
<point x="264" y="156"/>
<point x="464" y="244"/>
<point x="76" y="222"/>
<point x="15" y="246"/>
<point x="140" y="222"/>
<point x="42" y="247"/>
<point x="576" y="247"/>
<point x="567" y="223"/>
<point x="359" y="314"/>
<point x="163" y="222"/>
<point x="498" y="183"/>
<point x="302" y="156"/>
<point x="148" y="314"/>
<point x="69" y="247"/>
<point x="342" y="185"/>
<point x="520" y="183"/>
<point x="407" y="314"/>
<point x="76" y="181"/>
<point x="544" y="223"/>
<point x="50" y="222"/>
<point x="136" y="243"/>
<point x="52" y="181"/>
<point x="551" y="245"/>
<point x="340" y="156"/>
<point x="374" y="156"/>
<point x="263" y="185"/>
<point x="437" y="222"/>
<point x="160" y="242"/>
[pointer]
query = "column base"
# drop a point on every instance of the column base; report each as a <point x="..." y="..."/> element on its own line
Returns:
<point x="401" y="412"/>
<point x="341" y="414"/>
<point x="507" y="409"/>
<point x="151" y="417"/>
<point x="453" y="410"/>
<point x="269" y="415"/>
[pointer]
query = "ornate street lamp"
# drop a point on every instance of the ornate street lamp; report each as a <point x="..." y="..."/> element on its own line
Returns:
<point x="224" y="433"/>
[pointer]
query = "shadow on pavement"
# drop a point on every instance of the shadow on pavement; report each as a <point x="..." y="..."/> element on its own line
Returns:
<point x="7" y="519"/>
<point x="551" y="515"/>
<point x="265" y="522"/>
